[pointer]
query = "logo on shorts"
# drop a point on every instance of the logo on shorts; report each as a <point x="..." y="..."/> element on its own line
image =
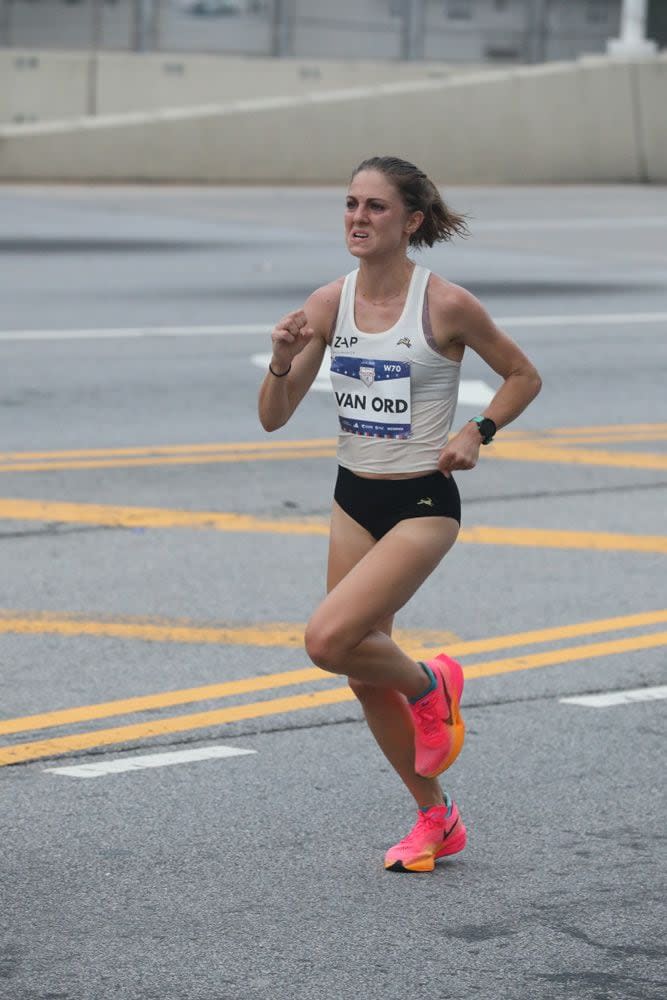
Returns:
<point x="405" y="341"/>
<point x="426" y="501"/>
<point x="367" y="375"/>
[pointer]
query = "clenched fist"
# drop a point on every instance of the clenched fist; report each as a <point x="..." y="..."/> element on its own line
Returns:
<point x="462" y="451"/>
<point x="290" y="336"/>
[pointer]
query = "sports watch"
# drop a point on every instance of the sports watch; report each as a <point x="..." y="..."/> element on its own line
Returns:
<point x="486" y="428"/>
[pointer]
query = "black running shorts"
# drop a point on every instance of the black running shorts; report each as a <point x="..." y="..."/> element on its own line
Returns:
<point x="379" y="504"/>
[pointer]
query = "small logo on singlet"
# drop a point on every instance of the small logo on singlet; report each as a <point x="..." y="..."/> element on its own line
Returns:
<point x="426" y="501"/>
<point x="367" y="375"/>
<point x="405" y="341"/>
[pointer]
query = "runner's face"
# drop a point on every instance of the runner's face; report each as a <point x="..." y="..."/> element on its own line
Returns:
<point x="376" y="220"/>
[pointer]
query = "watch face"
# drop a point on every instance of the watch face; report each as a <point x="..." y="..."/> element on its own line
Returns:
<point x="487" y="428"/>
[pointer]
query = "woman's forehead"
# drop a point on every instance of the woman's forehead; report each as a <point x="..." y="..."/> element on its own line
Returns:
<point x="372" y="184"/>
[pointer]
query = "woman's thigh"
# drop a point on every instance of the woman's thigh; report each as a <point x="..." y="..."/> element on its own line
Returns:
<point x="370" y="581"/>
<point x="348" y="544"/>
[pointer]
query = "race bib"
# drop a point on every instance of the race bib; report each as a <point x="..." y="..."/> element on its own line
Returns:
<point x="373" y="397"/>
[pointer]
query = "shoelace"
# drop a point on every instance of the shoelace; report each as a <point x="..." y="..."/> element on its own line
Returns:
<point x="428" y="716"/>
<point x="435" y="823"/>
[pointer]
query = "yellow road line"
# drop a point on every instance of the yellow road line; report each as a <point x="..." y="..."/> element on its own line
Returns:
<point x="539" y="538"/>
<point x="169" y="449"/>
<point x="179" y="724"/>
<point x="557" y="632"/>
<point x="281" y="634"/>
<point x="266" y="455"/>
<point x="158" y="517"/>
<point x="609" y="433"/>
<point x="152" y="517"/>
<point x="541" y="450"/>
<point x="545" y="452"/>
<point x="575" y="436"/>
<point x="290" y="636"/>
<point x="512" y="445"/>
<point x="574" y="441"/>
<point x="557" y="656"/>
<point x="34" y="750"/>
<point x="166" y="699"/>
<point x="150" y="455"/>
<point x="609" y="429"/>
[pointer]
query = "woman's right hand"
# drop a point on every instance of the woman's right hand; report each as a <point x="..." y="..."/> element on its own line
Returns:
<point x="290" y="336"/>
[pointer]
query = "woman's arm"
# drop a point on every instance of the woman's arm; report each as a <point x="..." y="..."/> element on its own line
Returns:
<point x="299" y="341"/>
<point x="466" y="322"/>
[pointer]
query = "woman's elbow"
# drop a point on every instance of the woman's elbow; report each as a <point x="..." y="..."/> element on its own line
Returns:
<point x="536" y="381"/>
<point x="270" y="423"/>
<point x="532" y="381"/>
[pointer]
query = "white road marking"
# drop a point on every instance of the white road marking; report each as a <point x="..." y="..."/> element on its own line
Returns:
<point x="241" y="329"/>
<point x="472" y="392"/>
<point x="138" y="763"/>
<point x="131" y="333"/>
<point x="583" y="319"/>
<point x="617" y="697"/>
<point x="592" y="222"/>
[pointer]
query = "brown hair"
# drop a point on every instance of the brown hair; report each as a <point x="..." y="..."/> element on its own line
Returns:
<point x="419" y="194"/>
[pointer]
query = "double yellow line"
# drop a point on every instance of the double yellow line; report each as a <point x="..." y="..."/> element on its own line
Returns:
<point x="162" y="517"/>
<point x="559" y="445"/>
<point x="564" y="445"/>
<point x="186" y="454"/>
<point x="335" y="693"/>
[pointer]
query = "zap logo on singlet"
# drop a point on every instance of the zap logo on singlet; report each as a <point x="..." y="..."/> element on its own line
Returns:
<point x="373" y="396"/>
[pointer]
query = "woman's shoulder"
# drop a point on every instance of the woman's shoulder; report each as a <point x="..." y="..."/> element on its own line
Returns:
<point x="448" y="298"/>
<point x="322" y="305"/>
<point x="326" y="295"/>
<point x="453" y="312"/>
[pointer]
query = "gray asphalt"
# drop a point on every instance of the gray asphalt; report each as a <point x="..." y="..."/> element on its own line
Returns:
<point x="261" y="876"/>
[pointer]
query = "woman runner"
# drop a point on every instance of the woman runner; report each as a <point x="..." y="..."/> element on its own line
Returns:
<point x="397" y="335"/>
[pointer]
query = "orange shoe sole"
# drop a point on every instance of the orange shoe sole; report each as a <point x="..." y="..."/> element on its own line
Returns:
<point x="426" y="863"/>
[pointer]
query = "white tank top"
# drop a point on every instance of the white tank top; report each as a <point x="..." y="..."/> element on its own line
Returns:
<point x="395" y="393"/>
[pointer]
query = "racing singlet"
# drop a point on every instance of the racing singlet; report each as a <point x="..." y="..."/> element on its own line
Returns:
<point x="394" y="392"/>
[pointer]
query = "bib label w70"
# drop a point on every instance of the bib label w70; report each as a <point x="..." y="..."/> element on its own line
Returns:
<point x="373" y="396"/>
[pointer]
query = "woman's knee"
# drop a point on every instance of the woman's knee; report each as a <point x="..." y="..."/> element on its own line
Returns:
<point x="324" y="647"/>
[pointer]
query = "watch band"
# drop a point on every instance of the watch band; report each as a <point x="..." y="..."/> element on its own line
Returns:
<point x="486" y="427"/>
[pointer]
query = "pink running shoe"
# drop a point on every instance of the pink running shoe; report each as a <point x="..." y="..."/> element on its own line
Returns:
<point x="438" y="831"/>
<point x="439" y="728"/>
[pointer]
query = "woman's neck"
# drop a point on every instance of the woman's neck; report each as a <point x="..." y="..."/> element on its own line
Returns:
<point x="379" y="281"/>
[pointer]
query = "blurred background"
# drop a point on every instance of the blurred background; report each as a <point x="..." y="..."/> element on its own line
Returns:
<point x="458" y="31"/>
<point x="478" y="91"/>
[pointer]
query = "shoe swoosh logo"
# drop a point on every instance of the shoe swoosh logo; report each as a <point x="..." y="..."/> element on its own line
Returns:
<point x="451" y="829"/>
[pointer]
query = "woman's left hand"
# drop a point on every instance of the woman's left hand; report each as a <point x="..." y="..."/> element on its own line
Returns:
<point x="462" y="451"/>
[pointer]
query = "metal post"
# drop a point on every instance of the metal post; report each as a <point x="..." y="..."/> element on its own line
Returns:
<point x="6" y="22"/>
<point x="632" y="40"/>
<point x="413" y="30"/>
<point x="405" y="29"/>
<point x="537" y="30"/>
<point x="633" y="21"/>
<point x="96" y="20"/>
<point x="281" y="28"/>
<point x="139" y="29"/>
<point x="96" y="25"/>
<point x="155" y="34"/>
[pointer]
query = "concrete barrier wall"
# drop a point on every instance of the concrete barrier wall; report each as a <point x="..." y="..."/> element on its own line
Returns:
<point x="651" y="98"/>
<point x="131" y="83"/>
<point x="41" y="86"/>
<point x="580" y="122"/>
